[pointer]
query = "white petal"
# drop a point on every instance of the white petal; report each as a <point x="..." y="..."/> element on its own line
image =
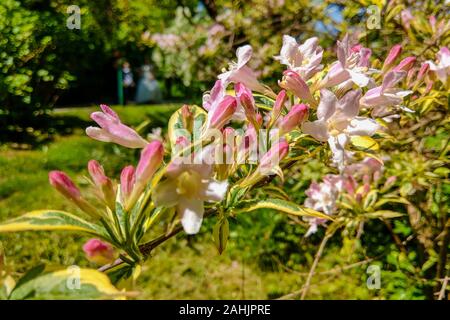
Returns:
<point x="359" y="78"/>
<point x="191" y="212"/>
<point x="243" y="54"/>
<point x="318" y="129"/>
<point x="327" y="105"/>
<point x="361" y="126"/>
<point x="99" y="134"/>
<point x="215" y="190"/>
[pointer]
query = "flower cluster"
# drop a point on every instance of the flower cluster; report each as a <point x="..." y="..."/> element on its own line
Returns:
<point x="236" y="139"/>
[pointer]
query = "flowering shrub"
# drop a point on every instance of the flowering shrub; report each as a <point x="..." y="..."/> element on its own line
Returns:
<point x="219" y="157"/>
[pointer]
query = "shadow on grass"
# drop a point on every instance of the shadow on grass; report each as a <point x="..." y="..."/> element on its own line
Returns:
<point x="29" y="132"/>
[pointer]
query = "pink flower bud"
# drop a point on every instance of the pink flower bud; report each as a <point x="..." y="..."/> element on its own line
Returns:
<point x="99" y="252"/>
<point x="273" y="157"/>
<point x="245" y="97"/>
<point x="423" y="71"/>
<point x="151" y="158"/>
<point x="97" y="173"/>
<point x="293" y="82"/>
<point x="127" y="179"/>
<point x="102" y="182"/>
<point x="296" y="116"/>
<point x="278" y="106"/>
<point x="394" y="53"/>
<point x="405" y="64"/>
<point x="223" y="113"/>
<point x="61" y="182"/>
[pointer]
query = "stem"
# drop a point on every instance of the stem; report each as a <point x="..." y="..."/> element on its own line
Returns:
<point x="314" y="265"/>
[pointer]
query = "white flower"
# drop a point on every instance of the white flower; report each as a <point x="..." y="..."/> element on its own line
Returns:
<point x="187" y="187"/>
<point x="442" y="66"/>
<point x="302" y="58"/>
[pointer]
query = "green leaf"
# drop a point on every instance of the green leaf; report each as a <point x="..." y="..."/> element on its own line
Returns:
<point x="220" y="234"/>
<point x="286" y="207"/>
<point x="387" y="214"/>
<point x="71" y="283"/>
<point x="50" y="220"/>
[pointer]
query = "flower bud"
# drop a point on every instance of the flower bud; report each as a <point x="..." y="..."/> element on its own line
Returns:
<point x="103" y="183"/>
<point x="245" y="97"/>
<point x="273" y="157"/>
<point x="423" y="71"/>
<point x="61" y="182"/>
<point x="278" y="106"/>
<point x="151" y="158"/>
<point x="99" y="252"/>
<point x="223" y="113"/>
<point x="405" y="64"/>
<point x="296" y="116"/>
<point x="127" y="179"/>
<point x="293" y="82"/>
<point x="393" y="54"/>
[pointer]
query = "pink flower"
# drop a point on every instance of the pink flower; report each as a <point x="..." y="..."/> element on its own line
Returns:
<point x="351" y="64"/>
<point x="99" y="252"/>
<point x="322" y="197"/>
<point x="293" y="82"/>
<point x="336" y="117"/>
<point x="386" y="95"/>
<point x="112" y="130"/>
<point x="304" y="58"/>
<point x="295" y="117"/>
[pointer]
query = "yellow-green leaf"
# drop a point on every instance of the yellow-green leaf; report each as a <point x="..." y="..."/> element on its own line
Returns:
<point x="365" y="142"/>
<point x="176" y="128"/>
<point x="70" y="283"/>
<point x="387" y="214"/>
<point x="286" y="207"/>
<point x="49" y="220"/>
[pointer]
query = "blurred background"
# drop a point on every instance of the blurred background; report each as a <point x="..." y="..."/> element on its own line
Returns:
<point x="59" y="59"/>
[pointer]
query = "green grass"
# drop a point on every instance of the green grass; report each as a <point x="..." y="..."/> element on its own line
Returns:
<point x="180" y="269"/>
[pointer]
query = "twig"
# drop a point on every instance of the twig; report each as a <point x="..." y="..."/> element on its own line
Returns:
<point x="443" y="288"/>
<point x="314" y="265"/>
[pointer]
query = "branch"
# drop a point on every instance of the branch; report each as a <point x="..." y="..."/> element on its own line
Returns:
<point x="314" y="265"/>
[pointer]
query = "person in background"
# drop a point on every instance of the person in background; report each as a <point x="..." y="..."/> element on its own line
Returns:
<point x="128" y="81"/>
<point x="148" y="90"/>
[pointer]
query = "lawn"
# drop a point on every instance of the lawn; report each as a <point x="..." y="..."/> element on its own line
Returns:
<point x="185" y="267"/>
